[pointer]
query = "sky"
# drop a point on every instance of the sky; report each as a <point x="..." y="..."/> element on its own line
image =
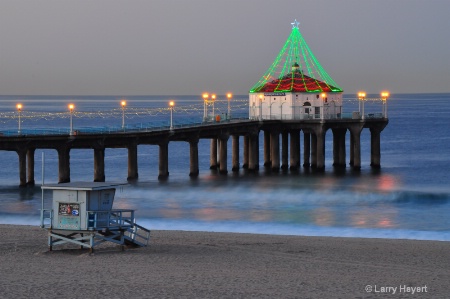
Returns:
<point x="186" y="47"/>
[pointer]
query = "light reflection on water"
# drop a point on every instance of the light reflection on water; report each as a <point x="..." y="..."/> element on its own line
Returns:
<point x="408" y="198"/>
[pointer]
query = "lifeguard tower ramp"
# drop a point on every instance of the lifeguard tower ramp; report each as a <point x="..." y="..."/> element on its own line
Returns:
<point x="82" y="214"/>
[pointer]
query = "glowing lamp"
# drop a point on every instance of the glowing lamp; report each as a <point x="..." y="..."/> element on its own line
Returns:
<point x="205" y="96"/>
<point x="123" y="103"/>
<point x="71" y="107"/>
<point x="384" y="95"/>
<point x="213" y="97"/>
<point x="171" y="103"/>
<point x="261" y="97"/>
<point x="19" y="107"/>
<point x="324" y="95"/>
<point x="361" y="95"/>
<point x="229" y="95"/>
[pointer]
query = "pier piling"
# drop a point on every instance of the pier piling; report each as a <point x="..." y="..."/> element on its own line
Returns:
<point x="284" y="150"/>
<point x="213" y="154"/>
<point x="163" y="160"/>
<point x="193" y="157"/>
<point x="132" y="162"/>
<point x="275" y="149"/>
<point x="235" y="153"/>
<point x="294" y="149"/>
<point x="306" y="149"/>
<point x="30" y="166"/>
<point x="63" y="164"/>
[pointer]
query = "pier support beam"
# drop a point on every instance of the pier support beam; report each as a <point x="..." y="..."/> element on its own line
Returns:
<point x="193" y="154"/>
<point x="163" y="160"/>
<point x="235" y="153"/>
<point x="284" y="150"/>
<point x="339" y="147"/>
<point x="63" y="164"/>
<point x="267" y="149"/>
<point x="132" y="162"/>
<point x="22" y="167"/>
<point x="313" y="150"/>
<point x="99" y="164"/>
<point x="253" y="152"/>
<point x="246" y="146"/>
<point x="352" y="141"/>
<point x="213" y="154"/>
<point x="375" y="151"/>
<point x="306" y="148"/>
<point x="275" y="149"/>
<point x="223" y="154"/>
<point x="320" y="147"/>
<point x="355" y="145"/>
<point x="294" y="144"/>
<point x="30" y="166"/>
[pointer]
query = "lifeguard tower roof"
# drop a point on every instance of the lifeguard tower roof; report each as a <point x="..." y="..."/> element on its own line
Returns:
<point x="296" y="69"/>
<point x="85" y="186"/>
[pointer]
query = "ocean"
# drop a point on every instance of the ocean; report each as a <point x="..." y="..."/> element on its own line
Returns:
<point x="408" y="198"/>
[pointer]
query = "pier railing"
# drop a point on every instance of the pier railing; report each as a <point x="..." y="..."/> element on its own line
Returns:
<point x="135" y="127"/>
<point x="182" y="123"/>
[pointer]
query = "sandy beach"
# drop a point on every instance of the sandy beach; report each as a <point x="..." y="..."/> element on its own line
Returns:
<point x="180" y="264"/>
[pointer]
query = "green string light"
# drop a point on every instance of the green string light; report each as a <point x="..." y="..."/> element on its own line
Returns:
<point x="312" y="76"/>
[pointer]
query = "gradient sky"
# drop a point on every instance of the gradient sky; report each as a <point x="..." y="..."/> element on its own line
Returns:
<point x="176" y="47"/>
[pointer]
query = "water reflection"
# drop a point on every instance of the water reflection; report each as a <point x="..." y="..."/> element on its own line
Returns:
<point x="297" y="201"/>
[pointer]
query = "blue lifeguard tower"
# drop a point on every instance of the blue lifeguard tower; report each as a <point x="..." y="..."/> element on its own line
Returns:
<point x="81" y="213"/>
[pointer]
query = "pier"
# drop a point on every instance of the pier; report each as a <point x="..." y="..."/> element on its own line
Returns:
<point x="284" y="142"/>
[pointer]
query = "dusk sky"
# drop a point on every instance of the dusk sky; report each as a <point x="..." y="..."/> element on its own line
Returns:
<point x="162" y="47"/>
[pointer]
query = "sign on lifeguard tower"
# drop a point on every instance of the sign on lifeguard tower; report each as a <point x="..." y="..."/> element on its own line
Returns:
<point x="82" y="213"/>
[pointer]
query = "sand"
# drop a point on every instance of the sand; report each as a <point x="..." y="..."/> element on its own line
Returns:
<point x="179" y="264"/>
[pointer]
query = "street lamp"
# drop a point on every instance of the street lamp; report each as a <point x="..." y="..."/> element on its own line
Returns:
<point x="384" y="97"/>
<point x="205" y="107"/>
<point x="123" y="104"/>
<point x="171" y="105"/>
<point x="71" y="108"/>
<point x="229" y="96"/>
<point x="213" y="99"/>
<point x="19" y="109"/>
<point x="270" y="109"/>
<point x="361" y="98"/>
<point x="324" y="98"/>
<point x="261" y="97"/>
<point x="281" y="109"/>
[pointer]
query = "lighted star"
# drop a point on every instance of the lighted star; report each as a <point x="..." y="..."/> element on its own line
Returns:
<point x="295" y="24"/>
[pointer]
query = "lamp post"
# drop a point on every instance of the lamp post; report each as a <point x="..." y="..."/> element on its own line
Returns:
<point x="384" y="97"/>
<point x="205" y="107"/>
<point x="261" y="97"/>
<point x="213" y="99"/>
<point x="281" y="109"/>
<point x="361" y="98"/>
<point x="270" y="110"/>
<point x="229" y="96"/>
<point x="123" y="104"/>
<point x="71" y="108"/>
<point x="19" y="110"/>
<point x="324" y="97"/>
<point x="171" y="105"/>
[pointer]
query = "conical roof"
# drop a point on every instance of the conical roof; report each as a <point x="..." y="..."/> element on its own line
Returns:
<point x="296" y="69"/>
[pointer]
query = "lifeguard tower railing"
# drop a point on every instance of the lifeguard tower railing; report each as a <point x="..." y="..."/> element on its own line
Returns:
<point x="108" y="223"/>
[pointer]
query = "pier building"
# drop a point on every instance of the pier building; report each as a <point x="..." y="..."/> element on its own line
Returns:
<point x="295" y="86"/>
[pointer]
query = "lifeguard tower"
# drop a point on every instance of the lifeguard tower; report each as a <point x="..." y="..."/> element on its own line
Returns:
<point x="82" y="214"/>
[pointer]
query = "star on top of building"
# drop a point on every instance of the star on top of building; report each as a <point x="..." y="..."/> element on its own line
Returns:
<point x="295" y="24"/>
